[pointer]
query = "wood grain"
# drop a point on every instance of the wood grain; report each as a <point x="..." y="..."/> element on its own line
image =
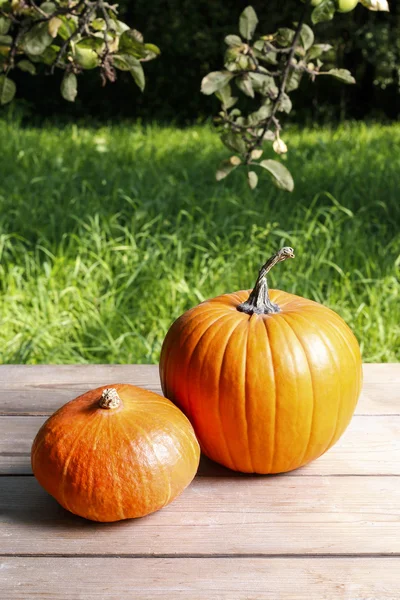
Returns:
<point x="230" y="516"/>
<point x="329" y="531"/>
<point x="41" y="389"/>
<point x="205" y="579"/>
<point x="371" y="445"/>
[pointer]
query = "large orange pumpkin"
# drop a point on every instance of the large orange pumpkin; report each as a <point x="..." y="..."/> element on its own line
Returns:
<point x="269" y="380"/>
<point x="115" y="453"/>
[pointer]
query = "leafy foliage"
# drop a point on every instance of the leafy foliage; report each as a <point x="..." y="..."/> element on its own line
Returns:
<point x="72" y="35"/>
<point x="267" y="70"/>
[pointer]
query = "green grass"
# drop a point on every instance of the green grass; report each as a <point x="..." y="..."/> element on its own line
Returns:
<point x="107" y="235"/>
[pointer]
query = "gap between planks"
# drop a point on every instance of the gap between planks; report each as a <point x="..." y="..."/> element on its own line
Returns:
<point x="177" y="556"/>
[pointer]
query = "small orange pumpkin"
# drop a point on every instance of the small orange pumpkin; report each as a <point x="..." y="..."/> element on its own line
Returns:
<point x="269" y="380"/>
<point x="115" y="453"/>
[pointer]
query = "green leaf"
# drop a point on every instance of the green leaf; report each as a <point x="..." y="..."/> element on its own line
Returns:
<point x="225" y="96"/>
<point x="118" y="26"/>
<point x="6" y="40"/>
<point x="293" y="81"/>
<point x="27" y="67"/>
<point x="137" y="35"/>
<point x="244" y="84"/>
<point x="7" y="89"/>
<point x="269" y="57"/>
<point x="126" y="62"/>
<point x="48" y="7"/>
<point x="317" y="50"/>
<point x="138" y="75"/>
<point x="214" y="81"/>
<point x="123" y="61"/>
<point x="248" y="22"/>
<point x="252" y="179"/>
<point x="91" y="43"/>
<point x="224" y="169"/>
<point x="67" y="28"/>
<point x="37" y="39"/>
<point x="5" y="25"/>
<point x="280" y="175"/>
<point x="285" y="104"/>
<point x="324" y="11"/>
<point x="234" y="142"/>
<point x="284" y="36"/>
<point x="130" y="43"/>
<point x="264" y="84"/>
<point x="69" y="87"/>
<point x="100" y="24"/>
<point x="47" y="57"/>
<point x="152" y="51"/>
<point x="233" y="40"/>
<point x="306" y="37"/>
<point x="342" y="74"/>
<point x="260" y="115"/>
<point x="86" y="58"/>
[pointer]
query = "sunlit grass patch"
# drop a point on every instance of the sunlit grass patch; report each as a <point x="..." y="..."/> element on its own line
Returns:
<point x="108" y="234"/>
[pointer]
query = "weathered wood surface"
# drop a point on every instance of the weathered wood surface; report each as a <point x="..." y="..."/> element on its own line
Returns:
<point x="200" y="579"/>
<point x="41" y="389"/>
<point x="329" y="531"/>
<point x="370" y="446"/>
<point x="230" y="516"/>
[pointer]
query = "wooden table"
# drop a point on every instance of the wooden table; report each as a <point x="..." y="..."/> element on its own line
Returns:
<point x="328" y="531"/>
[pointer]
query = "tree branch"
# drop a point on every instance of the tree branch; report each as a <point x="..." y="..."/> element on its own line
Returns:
<point x="257" y="143"/>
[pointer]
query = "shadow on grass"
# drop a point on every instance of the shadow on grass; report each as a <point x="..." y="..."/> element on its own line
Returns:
<point x="45" y="196"/>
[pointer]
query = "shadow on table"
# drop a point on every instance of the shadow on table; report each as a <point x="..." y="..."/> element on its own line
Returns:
<point x="208" y="468"/>
<point x="26" y="502"/>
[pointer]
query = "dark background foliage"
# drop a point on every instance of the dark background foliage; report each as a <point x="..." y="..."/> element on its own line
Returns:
<point x="190" y="35"/>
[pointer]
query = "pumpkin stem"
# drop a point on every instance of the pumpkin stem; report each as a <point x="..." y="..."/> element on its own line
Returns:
<point x="259" y="302"/>
<point x="109" y="398"/>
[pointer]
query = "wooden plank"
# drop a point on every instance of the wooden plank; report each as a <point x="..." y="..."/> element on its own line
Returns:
<point x="41" y="389"/>
<point x="45" y="374"/>
<point x="200" y="579"/>
<point x="230" y="516"/>
<point x="371" y="445"/>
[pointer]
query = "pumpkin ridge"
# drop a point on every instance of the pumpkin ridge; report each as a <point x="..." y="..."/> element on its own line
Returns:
<point x="356" y="362"/>
<point x="265" y="322"/>
<point x="346" y="345"/>
<point x="175" y="408"/>
<point x="191" y="440"/>
<point x="190" y="359"/>
<point x="69" y="456"/>
<point x="92" y="460"/>
<point x="282" y="329"/>
<point x="201" y="367"/>
<point x="208" y="321"/>
<point x="228" y="337"/>
<point x="313" y="392"/>
<point x="166" y="476"/>
<point x="165" y="351"/>
<point x="143" y="478"/>
<point x="245" y="394"/>
<point x="117" y="484"/>
<point x="311" y="325"/>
